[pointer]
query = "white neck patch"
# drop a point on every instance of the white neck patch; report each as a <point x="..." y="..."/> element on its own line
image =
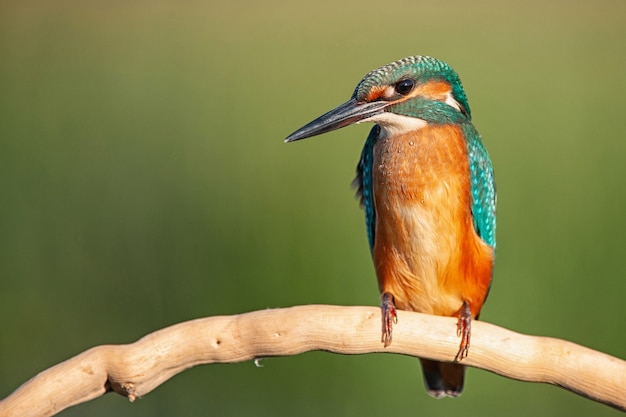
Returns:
<point x="450" y="101"/>
<point x="394" y="124"/>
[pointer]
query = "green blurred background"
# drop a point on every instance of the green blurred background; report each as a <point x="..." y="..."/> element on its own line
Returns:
<point x="144" y="182"/>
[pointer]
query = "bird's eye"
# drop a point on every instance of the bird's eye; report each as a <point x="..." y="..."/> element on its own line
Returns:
<point x="404" y="87"/>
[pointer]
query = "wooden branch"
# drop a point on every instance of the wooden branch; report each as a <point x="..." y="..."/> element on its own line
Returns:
<point x="135" y="369"/>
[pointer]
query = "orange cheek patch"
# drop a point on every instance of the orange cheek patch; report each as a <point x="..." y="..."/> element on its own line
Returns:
<point x="436" y="90"/>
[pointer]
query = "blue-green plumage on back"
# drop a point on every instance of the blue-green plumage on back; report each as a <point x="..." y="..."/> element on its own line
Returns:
<point x="363" y="182"/>
<point x="483" y="186"/>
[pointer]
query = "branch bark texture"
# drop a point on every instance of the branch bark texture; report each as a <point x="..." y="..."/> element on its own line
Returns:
<point x="135" y="369"/>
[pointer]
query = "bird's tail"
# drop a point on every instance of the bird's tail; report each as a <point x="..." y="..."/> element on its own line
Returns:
<point x="443" y="379"/>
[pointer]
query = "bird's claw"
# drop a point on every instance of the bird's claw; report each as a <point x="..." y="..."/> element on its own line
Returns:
<point x="464" y="330"/>
<point x="389" y="317"/>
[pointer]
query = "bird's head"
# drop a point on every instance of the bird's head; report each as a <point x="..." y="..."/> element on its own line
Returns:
<point x="404" y="95"/>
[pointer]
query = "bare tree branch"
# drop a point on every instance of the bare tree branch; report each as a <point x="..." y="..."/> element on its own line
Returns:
<point x="135" y="369"/>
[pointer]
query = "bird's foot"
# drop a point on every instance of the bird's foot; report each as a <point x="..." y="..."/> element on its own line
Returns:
<point x="464" y="330"/>
<point x="389" y="318"/>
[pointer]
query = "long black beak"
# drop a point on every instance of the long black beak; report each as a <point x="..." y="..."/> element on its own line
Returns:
<point x="343" y="115"/>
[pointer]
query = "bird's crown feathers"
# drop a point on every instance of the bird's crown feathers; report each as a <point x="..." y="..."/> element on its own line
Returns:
<point x="419" y="69"/>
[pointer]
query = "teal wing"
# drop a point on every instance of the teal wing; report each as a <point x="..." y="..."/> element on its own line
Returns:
<point x="363" y="184"/>
<point x="483" y="187"/>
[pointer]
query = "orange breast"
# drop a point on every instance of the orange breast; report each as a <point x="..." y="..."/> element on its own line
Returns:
<point x="426" y="251"/>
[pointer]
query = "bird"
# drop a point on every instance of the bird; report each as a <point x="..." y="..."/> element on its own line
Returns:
<point x="427" y="186"/>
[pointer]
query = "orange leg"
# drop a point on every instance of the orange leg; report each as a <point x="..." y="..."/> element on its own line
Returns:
<point x="389" y="318"/>
<point x="464" y="330"/>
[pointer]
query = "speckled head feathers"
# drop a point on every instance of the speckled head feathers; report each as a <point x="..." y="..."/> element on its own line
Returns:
<point x="421" y="69"/>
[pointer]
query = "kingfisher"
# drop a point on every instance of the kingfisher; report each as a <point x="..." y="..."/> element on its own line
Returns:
<point x="426" y="183"/>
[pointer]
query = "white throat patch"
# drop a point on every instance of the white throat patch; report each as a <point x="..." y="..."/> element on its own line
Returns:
<point x="394" y="124"/>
